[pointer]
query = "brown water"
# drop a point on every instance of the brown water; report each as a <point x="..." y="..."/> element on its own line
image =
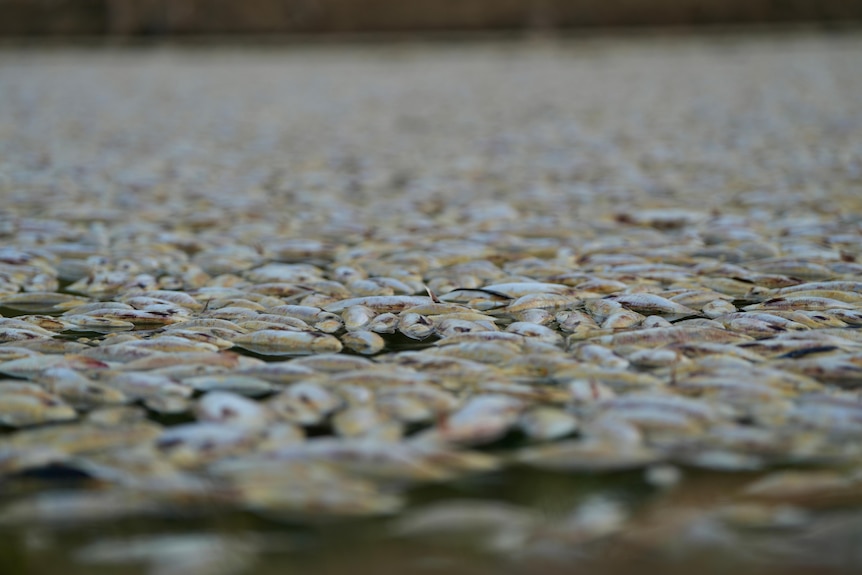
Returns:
<point x="660" y="536"/>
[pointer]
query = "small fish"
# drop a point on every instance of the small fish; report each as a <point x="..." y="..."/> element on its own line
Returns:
<point x="276" y="342"/>
<point x="363" y="342"/>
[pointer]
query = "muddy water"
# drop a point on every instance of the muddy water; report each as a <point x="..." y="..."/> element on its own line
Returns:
<point x="669" y="530"/>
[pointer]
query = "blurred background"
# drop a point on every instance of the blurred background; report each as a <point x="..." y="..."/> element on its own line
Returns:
<point x="135" y="18"/>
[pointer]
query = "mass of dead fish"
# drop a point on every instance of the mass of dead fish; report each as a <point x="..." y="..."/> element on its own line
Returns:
<point x="349" y="377"/>
<point x="296" y="346"/>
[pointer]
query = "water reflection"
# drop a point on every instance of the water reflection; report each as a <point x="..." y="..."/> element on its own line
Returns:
<point x="515" y="521"/>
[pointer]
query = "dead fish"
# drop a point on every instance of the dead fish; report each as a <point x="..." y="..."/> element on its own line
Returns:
<point x="363" y="342"/>
<point x="357" y="317"/>
<point x="704" y="349"/>
<point x="439" y="308"/>
<point x="274" y="342"/>
<point x="40" y="301"/>
<point x="366" y="421"/>
<point x="836" y="415"/>
<point x="533" y="331"/>
<point x="594" y="455"/>
<point x="845" y="296"/>
<point x="832" y="285"/>
<point x="793" y="302"/>
<point x="143" y="385"/>
<point x="303" y="486"/>
<point x="516" y="290"/>
<point x="16" y="334"/>
<point x="652" y="304"/>
<point x="304" y="403"/>
<point x="384" y="323"/>
<point x="674" y="334"/>
<point x="623" y="319"/>
<point x="239" y="384"/>
<point x="491" y="353"/>
<point x="73" y="438"/>
<point x="252" y="325"/>
<point x="534" y="301"/>
<point x="173" y="344"/>
<point x="162" y="360"/>
<point x="205" y="335"/>
<point x="844" y="370"/>
<point x="31" y="366"/>
<point x="481" y="299"/>
<point x="49" y="345"/>
<point x="537" y="316"/>
<point x="484" y="336"/>
<point x="775" y="347"/>
<point x="592" y="353"/>
<point x="738" y="289"/>
<point x="415" y="326"/>
<point x="46" y="322"/>
<point x="598" y="285"/>
<point x="83" y="322"/>
<point x="404" y="409"/>
<point x="848" y="316"/>
<point x="652" y="358"/>
<point x="380" y="304"/>
<point x="141" y="317"/>
<point x="482" y="419"/>
<point x="579" y="324"/>
<point x="177" y="298"/>
<point x="602" y="309"/>
<point x="232" y="409"/>
<point x="450" y="327"/>
<point x="718" y="307"/>
<point x="792" y="267"/>
<point x="756" y="327"/>
<point x="11" y="353"/>
<point x="23" y="404"/>
<point x="78" y="390"/>
<point x="616" y="379"/>
<point x="196" y="444"/>
<point x="547" y="423"/>
<point x="811" y="319"/>
<point x="280" y="372"/>
<point x="116" y="416"/>
<point x="403" y="461"/>
<point x="332" y="363"/>
<point x="208" y="323"/>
